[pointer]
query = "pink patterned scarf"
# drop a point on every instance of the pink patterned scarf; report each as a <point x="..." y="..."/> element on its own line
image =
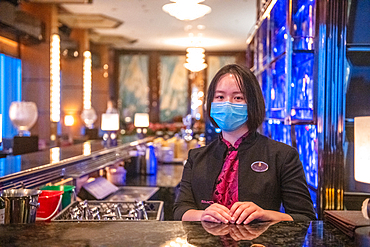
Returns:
<point x="226" y="192"/>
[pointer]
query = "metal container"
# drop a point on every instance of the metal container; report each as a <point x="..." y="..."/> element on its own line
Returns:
<point x="108" y="211"/>
<point x="20" y="205"/>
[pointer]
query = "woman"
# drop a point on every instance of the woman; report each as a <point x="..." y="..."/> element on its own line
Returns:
<point x="242" y="176"/>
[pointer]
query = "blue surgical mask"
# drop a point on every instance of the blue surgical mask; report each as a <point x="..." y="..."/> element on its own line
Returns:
<point x="228" y="116"/>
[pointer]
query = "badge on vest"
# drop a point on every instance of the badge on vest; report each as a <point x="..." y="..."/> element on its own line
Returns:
<point x="259" y="166"/>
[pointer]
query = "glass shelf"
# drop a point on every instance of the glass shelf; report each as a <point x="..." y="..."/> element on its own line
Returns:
<point x="278" y="89"/>
<point x="277" y="131"/>
<point x="306" y="137"/>
<point x="303" y="24"/>
<point x="278" y="28"/>
<point x="262" y="58"/>
<point x="302" y="86"/>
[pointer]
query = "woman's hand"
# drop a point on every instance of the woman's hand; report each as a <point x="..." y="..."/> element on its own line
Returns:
<point x="216" y="229"/>
<point x="246" y="212"/>
<point x="216" y="213"/>
<point x="249" y="232"/>
<point x="237" y="232"/>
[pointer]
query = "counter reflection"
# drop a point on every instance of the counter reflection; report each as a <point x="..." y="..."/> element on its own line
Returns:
<point x="256" y="234"/>
<point x="54" y="155"/>
<point x="10" y="164"/>
<point x="237" y="232"/>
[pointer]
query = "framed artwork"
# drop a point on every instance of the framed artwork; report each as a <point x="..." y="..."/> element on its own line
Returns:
<point x="173" y="88"/>
<point x="215" y="63"/>
<point x="133" y="80"/>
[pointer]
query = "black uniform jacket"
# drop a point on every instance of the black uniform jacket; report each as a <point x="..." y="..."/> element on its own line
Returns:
<point x="283" y="182"/>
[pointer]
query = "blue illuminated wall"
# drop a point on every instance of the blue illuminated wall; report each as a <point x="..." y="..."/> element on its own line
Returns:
<point x="284" y="65"/>
<point x="10" y="90"/>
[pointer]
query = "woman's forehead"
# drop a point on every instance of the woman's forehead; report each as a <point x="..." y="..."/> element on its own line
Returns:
<point x="227" y="81"/>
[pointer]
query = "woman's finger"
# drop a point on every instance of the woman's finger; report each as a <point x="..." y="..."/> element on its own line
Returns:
<point x="210" y="218"/>
<point x="237" y="210"/>
<point x="253" y="216"/>
<point x="220" y="212"/>
<point x="240" y="232"/>
<point x="235" y="206"/>
<point x="216" y="229"/>
<point x="217" y="214"/>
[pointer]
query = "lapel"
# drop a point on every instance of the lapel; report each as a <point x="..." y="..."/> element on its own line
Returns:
<point x="214" y="166"/>
<point x="246" y="177"/>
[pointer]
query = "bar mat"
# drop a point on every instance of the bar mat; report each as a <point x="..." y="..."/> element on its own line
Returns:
<point x="346" y="220"/>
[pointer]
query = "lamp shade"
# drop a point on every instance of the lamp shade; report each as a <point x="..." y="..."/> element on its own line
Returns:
<point x="69" y="120"/>
<point x="110" y="121"/>
<point x="362" y="149"/>
<point x="23" y="115"/>
<point x="141" y="120"/>
<point x="89" y="117"/>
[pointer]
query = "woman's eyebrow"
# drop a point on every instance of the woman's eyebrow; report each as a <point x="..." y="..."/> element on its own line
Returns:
<point x="233" y="93"/>
<point x="222" y="91"/>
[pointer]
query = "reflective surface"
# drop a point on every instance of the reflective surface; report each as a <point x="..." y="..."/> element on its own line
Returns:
<point x="12" y="164"/>
<point x="173" y="233"/>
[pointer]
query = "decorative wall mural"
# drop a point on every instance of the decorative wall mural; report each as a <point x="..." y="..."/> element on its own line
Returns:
<point x="173" y="88"/>
<point x="215" y="63"/>
<point x="133" y="82"/>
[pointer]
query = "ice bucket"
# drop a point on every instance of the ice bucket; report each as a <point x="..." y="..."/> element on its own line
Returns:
<point x="20" y="205"/>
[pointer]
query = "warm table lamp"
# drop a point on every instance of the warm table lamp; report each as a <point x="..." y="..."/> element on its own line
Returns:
<point x="110" y="124"/>
<point x="141" y="122"/>
<point x="24" y="115"/>
<point x="362" y="149"/>
<point x="68" y="122"/>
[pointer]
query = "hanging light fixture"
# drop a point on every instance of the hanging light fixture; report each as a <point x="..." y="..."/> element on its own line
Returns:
<point x="186" y="10"/>
<point x="195" y="59"/>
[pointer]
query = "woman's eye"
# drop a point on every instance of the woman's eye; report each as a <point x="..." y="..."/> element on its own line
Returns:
<point x="219" y="97"/>
<point x="239" y="98"/>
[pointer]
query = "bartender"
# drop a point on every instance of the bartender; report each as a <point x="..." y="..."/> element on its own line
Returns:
<point x="242" y="176"/>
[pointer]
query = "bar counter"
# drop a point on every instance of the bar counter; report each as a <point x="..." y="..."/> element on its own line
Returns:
<point x="162" y="233"/>
<point x="34" y="169"/>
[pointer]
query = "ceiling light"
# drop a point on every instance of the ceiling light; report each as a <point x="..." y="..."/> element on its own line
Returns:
<point x="195" y="59"/>
<point x="186" y="10"/>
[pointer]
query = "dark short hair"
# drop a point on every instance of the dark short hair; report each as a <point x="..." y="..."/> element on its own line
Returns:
<point x="250" y="88"/>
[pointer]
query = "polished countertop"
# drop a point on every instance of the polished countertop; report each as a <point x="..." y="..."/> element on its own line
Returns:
<point x="163" y="233"/>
